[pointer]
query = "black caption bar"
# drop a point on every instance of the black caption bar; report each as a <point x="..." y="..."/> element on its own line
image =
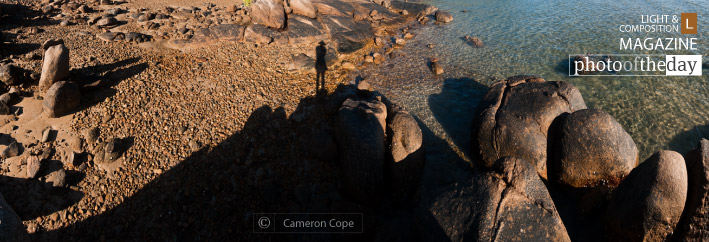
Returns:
<point x="308" y="222"/>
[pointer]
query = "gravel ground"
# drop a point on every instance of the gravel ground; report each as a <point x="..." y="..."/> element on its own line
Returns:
<point x="209" y="135"/>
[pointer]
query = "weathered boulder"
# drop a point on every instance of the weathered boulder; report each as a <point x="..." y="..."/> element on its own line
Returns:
<point x="514" y="117"/>
<point x="349" y="35"/>
<point x="591" y="149"/>
<point x="322" y="146"/>
<point x="443" y="16"/>
<point x="359" y="130"/>
<point x="11" y="75"/>
<point x="304" y="30"/>
<point x="258" y="34"/>
<point x="62" y="98"/>
<point x="269" y="13"/>
<point x="11" y="228"/>
<point x="303" y="7"/>
<point x="647" y="205"/>
<point x="694" y="223"/>
<point x="406" y="154"/>
<point x="509" y="203"/>
<point x="55" y="67"/>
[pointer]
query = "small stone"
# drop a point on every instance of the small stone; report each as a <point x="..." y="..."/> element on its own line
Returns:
<point x="194" y="146"/>
<point x="91" y="134"/>
<point x="400" y="41"/>
<point x="378" y="58"/>
<point x="348" y="65"/>
<point x="84" y="9"/>
<point x="436" y="68"/>
<point x="368" y="59"/>
<point x="4" y="109"/>
<point x="64" y="23"/>
<point x="111" y="151"/>
<point x="363" y="85"/>
<point x="107" y="21"/>
<point x="11" y="75"/>
<point x="45" y="135"/>
<point x="33" y="164"/>
<point x="12" y="150"/>
<point x="75" y="143"/>
<point x="57" y="178"/>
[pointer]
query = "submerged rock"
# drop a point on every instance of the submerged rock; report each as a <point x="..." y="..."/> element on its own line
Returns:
<point x="514" y="117"/>
<point x="592" y="149"/>
<point x="474" y="41"/>
<point x="647" y="205"/>
<point x="443" y="16"/>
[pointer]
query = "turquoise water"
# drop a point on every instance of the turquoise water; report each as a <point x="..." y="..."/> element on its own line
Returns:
<point x="536" y="37"/>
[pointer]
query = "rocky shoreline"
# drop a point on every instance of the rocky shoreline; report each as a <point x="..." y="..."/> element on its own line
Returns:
<point x="130" y="121"/>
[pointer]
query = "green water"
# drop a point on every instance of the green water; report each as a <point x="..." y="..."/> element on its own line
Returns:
<point x="536" y="37"/>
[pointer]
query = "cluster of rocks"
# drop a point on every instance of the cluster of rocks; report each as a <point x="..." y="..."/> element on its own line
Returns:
<point x="61" y="95"/>
<point x="379" y="147"/>
<point x="548" y="126"/>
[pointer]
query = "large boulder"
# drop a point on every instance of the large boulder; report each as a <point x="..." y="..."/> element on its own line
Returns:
<point x="62" y="98"/>
<point x="405" y="147"/>
<point x="269" y="12"/>
<point x="360" y="140"/>
<point x="11" y="75"/>
<point x="55" y="67"/>
<point x="647" y="205"/>
<point x="303" y="7"/>
<point x="694" y="224"/>
<point x="591" y="149"/>
<point x="11" y="228"/>
<point x="509" y="203"/>
<point x="514" y="117"/>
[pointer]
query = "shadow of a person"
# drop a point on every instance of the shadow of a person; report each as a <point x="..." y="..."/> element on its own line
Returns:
<point x="320" y="67"/>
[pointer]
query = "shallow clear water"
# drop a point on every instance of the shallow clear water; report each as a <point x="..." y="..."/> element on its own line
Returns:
<point x="536" y="37"/>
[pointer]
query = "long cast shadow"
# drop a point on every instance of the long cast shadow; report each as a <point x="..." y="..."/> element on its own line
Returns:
<point x="267" y="167"/>
<point x="455" y="106"/>
<point x="687" y="140"/>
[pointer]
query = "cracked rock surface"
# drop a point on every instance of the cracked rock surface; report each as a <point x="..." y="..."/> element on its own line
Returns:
<point x="509" y="203"/>
<point x="514" y="117"/>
